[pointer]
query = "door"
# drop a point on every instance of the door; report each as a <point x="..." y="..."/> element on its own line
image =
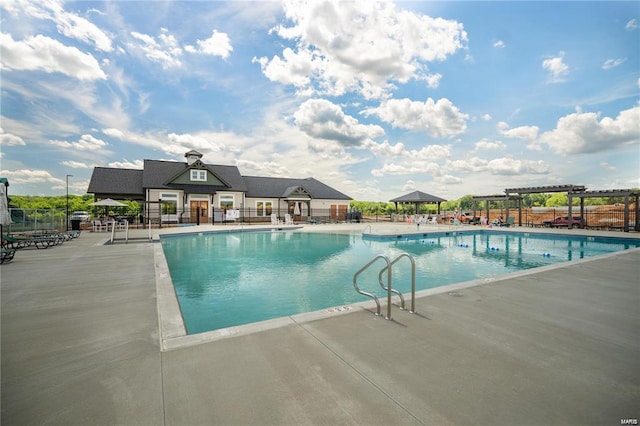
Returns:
<point x="197" y="207"/>
<point x="338" y="212"/>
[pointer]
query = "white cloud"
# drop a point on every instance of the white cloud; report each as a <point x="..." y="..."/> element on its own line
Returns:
<point x="608" y="167"/>
<point x="265" y="168"/>
<point x="612" y="63"/>
<point x="85" y="143"/>
<point x="510" y="167"/>
<point x="409" y="185"/>
<point x="113" y="133"/>
<point x="428" y="152"/>
<point x="67" y="23"/>
<point x="439" y="119"/>
<point x="8" y="139"/>
<point x="218" y="44"/>
<point x="26" y="176"/>
<point x="556" y="67"/>
<point x="164" y="50"/>
<point x="631" y="25"/>
<point x="76" y="164"/>
<point x="488" y="145"/>
<point x="136" y="164"/>
<point x="294" y="68"/>
<point x="415" y="167"/>
<point x="486" y="117"/>
<point x="433" y="80"/>
<point x="500" y="166"/>
<point x="580" y="132"/>
<point x="448" y="180"/>
<point x="499" y="44"/>
<point x="385" y="149"/>
<point x="48" y="55"/>
<point x="319" y="118"/>
<point x="413" y="161"/>
<point x="527" y="133"/>
<point x="359" y="46"/>
<point x="179" y="144"/>
<point x="470" y="165"/>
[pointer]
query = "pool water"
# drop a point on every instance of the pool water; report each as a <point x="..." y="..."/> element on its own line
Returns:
<point x="229" y="279"/>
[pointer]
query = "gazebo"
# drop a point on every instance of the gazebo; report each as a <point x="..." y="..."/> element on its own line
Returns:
<point x="417" y="198"/>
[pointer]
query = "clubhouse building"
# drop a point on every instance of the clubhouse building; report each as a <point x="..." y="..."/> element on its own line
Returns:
<point x="195" y="192"/>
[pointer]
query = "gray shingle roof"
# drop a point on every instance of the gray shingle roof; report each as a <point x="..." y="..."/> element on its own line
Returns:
<point x="268" y="187"/>
<point x="418" y="197"/>
<point x="105" y="180"/>
<point x="158" y="173"/>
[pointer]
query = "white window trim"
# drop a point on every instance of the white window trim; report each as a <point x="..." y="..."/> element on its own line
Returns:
<point x="227" y="197"/>
<point x="198" y="175"/>
<point x="170" y="196"/>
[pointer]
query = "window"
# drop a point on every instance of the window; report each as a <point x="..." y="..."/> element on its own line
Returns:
<point x="226" y="202"/>
<point x="169" y="203"/>
<point x="199" y="175"/>
<point x="264" y="208"/>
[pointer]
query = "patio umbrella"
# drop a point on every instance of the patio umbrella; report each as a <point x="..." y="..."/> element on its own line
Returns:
<point x="5" y="217"/>
<point x="109" y="202"/>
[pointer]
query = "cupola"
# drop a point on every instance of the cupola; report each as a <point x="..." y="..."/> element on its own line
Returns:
<point x="192" y="156"/>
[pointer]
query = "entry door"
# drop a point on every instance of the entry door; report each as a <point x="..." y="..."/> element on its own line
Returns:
<point x="202" y="205"/>
<point x="338" y="212"/>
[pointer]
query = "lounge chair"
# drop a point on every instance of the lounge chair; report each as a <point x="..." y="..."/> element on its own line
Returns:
<point x="7" y="255"/>
<point x="433" y="220"/>
<point x="275" y="220"/>
<point x="287" y="219"/>
<point x="510" y="221"/>
<point x="39" y="242"/>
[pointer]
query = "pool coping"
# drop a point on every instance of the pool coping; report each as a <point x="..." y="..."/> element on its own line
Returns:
<point x="173" y="334"/>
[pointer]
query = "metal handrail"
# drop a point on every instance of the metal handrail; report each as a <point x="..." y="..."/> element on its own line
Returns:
<point x="368" y="226"/>
<point x="413" y="281"/>
<point x="371" y="295"/>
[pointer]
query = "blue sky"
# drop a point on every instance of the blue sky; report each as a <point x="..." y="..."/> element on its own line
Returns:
<point x="375" y="99"/>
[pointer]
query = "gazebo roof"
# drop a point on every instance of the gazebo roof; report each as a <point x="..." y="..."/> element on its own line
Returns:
<point x="418" y="197"/>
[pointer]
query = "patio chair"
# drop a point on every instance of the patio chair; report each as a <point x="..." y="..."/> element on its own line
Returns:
<point x="287" y="219"/>
<point x="275" y="220"/>
<point x="98" y="226"/>
<point x="433" y="220"/>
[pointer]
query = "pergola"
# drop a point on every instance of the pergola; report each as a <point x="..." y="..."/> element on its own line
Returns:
<point x="417" y="198"/>
<point x="626" y="193"/>
<point x="571" y="190"/>
<point x="496" y="197"/>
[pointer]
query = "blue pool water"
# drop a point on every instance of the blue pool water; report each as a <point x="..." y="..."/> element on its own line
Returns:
<point x="227" y="279"/>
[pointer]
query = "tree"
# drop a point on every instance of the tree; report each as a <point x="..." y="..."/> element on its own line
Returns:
<point x="466" y="202"/>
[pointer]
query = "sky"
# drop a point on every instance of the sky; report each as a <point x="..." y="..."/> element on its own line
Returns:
<point x="376" y="99"/>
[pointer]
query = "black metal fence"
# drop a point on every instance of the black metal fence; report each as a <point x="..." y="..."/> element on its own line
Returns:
<point x="248" y="215"/>
<point x="601" y="217"/>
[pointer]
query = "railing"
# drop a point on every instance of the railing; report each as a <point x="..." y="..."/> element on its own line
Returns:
<point x="413" y="281"/>
<point x="120" y="226"/>
<point x="371" y="295"/>
<point x="389" y="288"/>
<point x="367" y="227"/>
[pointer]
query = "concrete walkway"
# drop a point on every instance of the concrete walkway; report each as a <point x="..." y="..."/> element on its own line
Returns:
<point x="80" y="345"/>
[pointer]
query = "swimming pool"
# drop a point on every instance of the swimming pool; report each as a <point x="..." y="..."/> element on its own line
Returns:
<point x="229" y="279"/>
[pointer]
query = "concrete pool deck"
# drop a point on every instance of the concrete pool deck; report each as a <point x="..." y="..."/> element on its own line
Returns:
<point x="81" y="345"/>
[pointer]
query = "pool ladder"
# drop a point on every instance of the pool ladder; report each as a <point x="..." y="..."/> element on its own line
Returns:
<point x="389" y="288"/>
